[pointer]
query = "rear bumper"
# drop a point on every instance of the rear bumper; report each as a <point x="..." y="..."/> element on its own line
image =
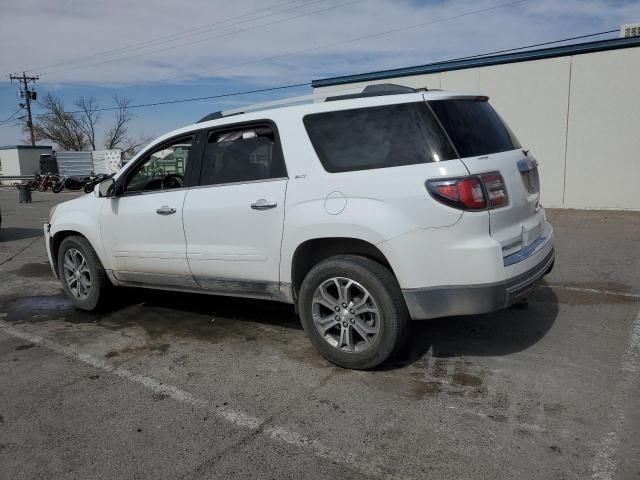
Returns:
<point x="434" y="302"/>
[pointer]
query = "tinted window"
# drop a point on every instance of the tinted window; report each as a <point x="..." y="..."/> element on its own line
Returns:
<point x="474" y="127"/>
<point x="377" y="137"/>
<point x="162" y="169"/>
<point x="242" y="155"/>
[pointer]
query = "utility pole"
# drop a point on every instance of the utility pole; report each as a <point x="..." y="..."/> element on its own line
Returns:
<point x="29" y="95"/>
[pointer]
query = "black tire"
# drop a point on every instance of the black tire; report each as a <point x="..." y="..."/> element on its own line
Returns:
<point x="383" y="287"/>
<point x="33" y="185"/>
<point x="88" y="187"/>
<point x="100" y="284"/>
<point x="57" y="187"/>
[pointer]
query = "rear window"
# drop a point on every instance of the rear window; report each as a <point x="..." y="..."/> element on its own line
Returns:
<point x="377" y="137"/>
<point x="474" y="127"/>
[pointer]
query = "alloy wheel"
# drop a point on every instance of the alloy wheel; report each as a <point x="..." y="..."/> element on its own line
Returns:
<point x="346" y="314"/>
<point x="77" y="273"/>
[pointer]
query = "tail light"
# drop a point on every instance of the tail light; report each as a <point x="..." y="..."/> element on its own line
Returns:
<point x="496" y="190"/>
<point x="476" y="192"/>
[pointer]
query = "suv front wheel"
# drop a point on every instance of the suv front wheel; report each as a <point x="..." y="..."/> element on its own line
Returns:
<point x="353" y="311"/>
<point x="83" y="278"/>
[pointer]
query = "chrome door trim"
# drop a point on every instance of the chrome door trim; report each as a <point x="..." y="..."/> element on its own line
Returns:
<point x="214" y="185"/>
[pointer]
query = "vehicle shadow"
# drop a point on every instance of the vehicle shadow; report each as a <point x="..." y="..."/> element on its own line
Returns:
<point x="15" y="233"/>
<point x="240" y="309"/>
<point x="203" y="316"/>
<point x="494" y="334"/>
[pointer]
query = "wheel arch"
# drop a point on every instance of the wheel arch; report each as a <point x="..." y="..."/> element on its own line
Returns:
<point x="312" y="251"/>
<point x="57" y="239"/>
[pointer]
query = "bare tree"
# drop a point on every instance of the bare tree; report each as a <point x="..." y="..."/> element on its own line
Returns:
<point x="117" y="135"/>
<point x="88" y="118"/>
<point x="133" y="145"/>
<point x="77" y="130"/>
<point x="59" y="126"/>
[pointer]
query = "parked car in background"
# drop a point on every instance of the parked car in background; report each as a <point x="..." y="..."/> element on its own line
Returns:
<point x="365" y="210"/>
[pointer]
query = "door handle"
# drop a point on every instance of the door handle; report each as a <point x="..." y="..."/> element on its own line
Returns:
<point x="263" y="204"/>
<point x="165" y="210"/>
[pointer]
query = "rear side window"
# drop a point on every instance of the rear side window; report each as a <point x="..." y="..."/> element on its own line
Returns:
<point x="474" y="127"/>
<point x="242" y="155"/>
<point x="377" y="137"/>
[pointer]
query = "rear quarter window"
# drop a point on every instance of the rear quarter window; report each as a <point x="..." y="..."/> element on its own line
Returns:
<point x="474" y="127"/>
<point x="377" y="137"/>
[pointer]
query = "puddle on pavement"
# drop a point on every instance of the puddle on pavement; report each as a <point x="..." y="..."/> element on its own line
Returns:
<point x="30" y="309"/>
<point x="167" y="316"/>
<point x="31" y="270"/>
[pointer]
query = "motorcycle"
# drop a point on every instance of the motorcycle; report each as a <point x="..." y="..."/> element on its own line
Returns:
<point x="43" y="182"/>
<point x="70" y="183"/>
<point x="33" y="184"/>
<point x="94" y="180"/>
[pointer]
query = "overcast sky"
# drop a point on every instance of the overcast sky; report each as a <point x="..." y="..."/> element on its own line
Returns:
<point x="152" y="50"/>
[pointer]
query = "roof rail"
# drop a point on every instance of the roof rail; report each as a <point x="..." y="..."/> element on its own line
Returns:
<point x="375" y="91"/>
<point x="360" y="92"/>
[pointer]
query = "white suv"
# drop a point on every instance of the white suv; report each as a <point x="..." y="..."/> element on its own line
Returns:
<point x="364" y="210"/>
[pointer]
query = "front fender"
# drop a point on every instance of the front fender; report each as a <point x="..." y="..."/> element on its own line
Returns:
<point x="85" y="224"/>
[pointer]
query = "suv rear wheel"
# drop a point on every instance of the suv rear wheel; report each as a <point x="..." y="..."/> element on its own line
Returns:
<point x="83" y="278"/>
<point x="353" y="311"/>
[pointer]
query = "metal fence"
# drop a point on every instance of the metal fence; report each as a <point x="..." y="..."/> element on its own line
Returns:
<point x="83" y="163"/>
<point x="75" y="163"/>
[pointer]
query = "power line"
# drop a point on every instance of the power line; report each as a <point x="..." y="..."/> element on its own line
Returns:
<point x="343" y="42"/>
<point x="255" y="27"/>
<point x="11" y="117"/>
<point x="195" y="99"/>
<point x="163" y="38"/>
<point x="283" y="87"/>
<point x="524" y="47"/>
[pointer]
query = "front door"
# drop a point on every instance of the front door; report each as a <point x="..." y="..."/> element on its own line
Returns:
<point x="233" y="221"/>
<point x="142" y="226"/>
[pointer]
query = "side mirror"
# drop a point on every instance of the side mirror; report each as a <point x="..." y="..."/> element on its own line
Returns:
<point x="106" y="188"/>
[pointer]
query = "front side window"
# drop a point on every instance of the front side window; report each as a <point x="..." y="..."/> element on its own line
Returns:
<point x="163" y="168"/>
<point x="242" y="155"/>
<point x="377" y="137"/>
<point x="474" y="127"/>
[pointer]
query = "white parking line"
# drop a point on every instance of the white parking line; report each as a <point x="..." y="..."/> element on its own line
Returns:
<point x="605" y="463"/>
<point x="593" y="290"/>
<point x="237" y="418"/>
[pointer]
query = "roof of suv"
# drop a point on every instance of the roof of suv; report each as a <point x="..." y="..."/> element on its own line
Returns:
<point x="371" y="95"/>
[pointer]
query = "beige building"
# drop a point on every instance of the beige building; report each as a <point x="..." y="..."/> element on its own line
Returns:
<point x="577" y="108"/>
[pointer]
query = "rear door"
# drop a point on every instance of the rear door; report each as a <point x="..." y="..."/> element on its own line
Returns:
<point x="233" y="220"/>
<point x="486" y="144"/>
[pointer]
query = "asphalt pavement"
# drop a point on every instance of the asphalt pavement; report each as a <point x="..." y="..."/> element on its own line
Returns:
<point x="168" y="385"/>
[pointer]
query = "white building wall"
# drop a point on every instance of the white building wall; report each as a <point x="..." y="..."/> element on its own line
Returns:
<point x="603" y="143"/>
<point x="10" y="162"/>
<point x="579" y="115"/>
